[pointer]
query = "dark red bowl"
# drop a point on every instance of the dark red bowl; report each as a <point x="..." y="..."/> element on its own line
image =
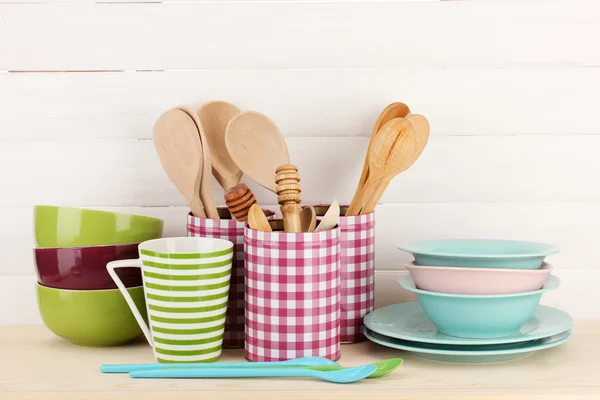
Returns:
<point x="84" y="268"/>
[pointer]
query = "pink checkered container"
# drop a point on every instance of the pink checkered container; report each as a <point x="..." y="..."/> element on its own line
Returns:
<point x="357" y="271"/>
<point x="232" y="230"/>
<point x="292" y="294"/>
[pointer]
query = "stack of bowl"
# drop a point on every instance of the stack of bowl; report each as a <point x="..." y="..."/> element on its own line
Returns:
<point x="477" y="292"/>
<point x="77" y="299"/>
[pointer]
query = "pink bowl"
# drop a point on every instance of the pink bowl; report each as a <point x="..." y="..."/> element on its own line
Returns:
<point x="478" y="281"/>
<point x="84" y="268"/>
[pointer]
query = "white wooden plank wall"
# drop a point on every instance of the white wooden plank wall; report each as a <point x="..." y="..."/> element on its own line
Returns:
<point x="511" y="89"/>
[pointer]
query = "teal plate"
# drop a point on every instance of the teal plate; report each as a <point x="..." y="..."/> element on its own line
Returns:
<point x="470" y="354"/>
<point x="408" y="321"/>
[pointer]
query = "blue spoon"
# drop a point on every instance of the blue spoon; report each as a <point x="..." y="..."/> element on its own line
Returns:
<point x="298" y="362"/>
<point x="346" y="375"/>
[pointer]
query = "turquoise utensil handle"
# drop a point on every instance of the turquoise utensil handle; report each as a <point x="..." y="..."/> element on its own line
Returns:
<point x="303" y="361"/>
<point x="223" y="373"/>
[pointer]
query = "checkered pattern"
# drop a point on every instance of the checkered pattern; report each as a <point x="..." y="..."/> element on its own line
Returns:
<point x="357" y="270"/>
<point x="231" y="230"/>
<point x="292" y="295"/>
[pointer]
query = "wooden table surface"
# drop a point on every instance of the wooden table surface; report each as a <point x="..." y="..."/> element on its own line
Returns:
<point x="35" y="364"/>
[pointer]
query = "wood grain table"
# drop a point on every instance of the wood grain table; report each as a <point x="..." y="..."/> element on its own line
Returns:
<point x="35" y="364"/>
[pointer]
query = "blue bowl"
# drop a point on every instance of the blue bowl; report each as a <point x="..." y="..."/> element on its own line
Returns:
<point x="479" y="316"/>
<point x="479" y="253"/>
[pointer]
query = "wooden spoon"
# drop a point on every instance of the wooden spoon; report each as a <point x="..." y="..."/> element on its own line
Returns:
<point x="308" y="219"/>
<point x="179" y="149"/>
<point x="206" y="184"/>
<point x="421" y="132"/>
<point x="393" y="110"/>
<point x="257" y="219"/>
<point x="390" y="153"/>
<point x="257" y="147"/>
<point x="215" y="116"/>
<point x="331" y="217"/>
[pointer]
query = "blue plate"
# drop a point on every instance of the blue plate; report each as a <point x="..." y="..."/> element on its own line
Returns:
<point x="479" y="316"/>
<point x="480" y="253"/>
<point x="408" y="321"/>
<point x="470" y="354"/>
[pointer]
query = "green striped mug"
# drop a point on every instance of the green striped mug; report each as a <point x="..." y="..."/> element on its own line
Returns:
<point x="186" y="286"/>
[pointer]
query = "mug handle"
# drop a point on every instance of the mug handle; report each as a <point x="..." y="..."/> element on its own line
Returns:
<point x="111" y="266"/>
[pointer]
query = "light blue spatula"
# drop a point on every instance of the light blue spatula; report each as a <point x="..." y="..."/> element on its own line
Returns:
<point x="346" y="375"/>
<point x="297" y="362"/>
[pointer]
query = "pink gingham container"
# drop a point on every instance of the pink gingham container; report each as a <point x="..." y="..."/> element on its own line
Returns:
<point x="232" y="230"/>
<point x="292" y="294"/>
<point x="357" y="271"/>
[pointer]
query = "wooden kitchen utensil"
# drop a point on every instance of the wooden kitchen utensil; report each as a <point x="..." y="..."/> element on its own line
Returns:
<point x="179" y="149"/>
<point x="215" y="116"/>
<point x="421" y="134"/>
<point x="393" y="110"/>
<point x="257" y="147"/>
<point x="239" y="199"/>
<point x="288" y="196"/>
<point x="331" y="217"/>
<point x="257" y="219"/>
<point x="206" y="183"/>
<point x="389" y="155"/>
<point x="308" y="219"/>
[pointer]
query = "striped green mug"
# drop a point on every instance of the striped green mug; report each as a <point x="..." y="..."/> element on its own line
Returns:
<point x="186" y="286"/>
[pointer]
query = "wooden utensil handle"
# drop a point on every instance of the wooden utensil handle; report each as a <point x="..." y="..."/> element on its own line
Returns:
<point x="375" y="196"/>
<point x="359" y="201"/>
<point x="291" y="217"/>
<point x="197" y="208"/>
<point x="288" y="196"/>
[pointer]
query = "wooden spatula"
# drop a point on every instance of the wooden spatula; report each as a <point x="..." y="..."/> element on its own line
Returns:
<point x="390" y="154"/>
<point x="177" y="143"/>
<point x="257" y="147"/>
<point x="308" y="219"/>
<point x="393" y="110"/>
<point x="206" y="194"/>
<point x="257" y="219"/>
<point x="215" y="116"/>
<point x="331" y="217"/>
<point x="421" y="137"/>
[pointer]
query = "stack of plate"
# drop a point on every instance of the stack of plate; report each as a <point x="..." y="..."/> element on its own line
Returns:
<point x="478" y="301"/>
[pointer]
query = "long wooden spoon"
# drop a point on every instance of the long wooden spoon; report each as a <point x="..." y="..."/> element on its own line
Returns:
<point x="308" y="219"/>
<point x="390" y="154"/>
<point x="257" y="147"/>
<point x="215" y="116"/>
<point x="331" y="217"/>
<point x="206" y="184"/>
<point x="257" y="219"/>
<point x="179" y="149"/>
<point x="421" y="130"/>
<point x="393" y="110"/>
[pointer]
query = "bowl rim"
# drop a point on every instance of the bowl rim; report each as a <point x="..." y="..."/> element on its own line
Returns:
<point x="407" y="283"/>
<point x="77" y="248"/>
<point x="103" y="212"/>
<point x="545" y="268"/>
<point x="549" y="249"/>
<point x="39" y="285"/>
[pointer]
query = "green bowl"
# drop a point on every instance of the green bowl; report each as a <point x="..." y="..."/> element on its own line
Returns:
<point x="91" y="318"/>
<point x="74" y="227"/>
